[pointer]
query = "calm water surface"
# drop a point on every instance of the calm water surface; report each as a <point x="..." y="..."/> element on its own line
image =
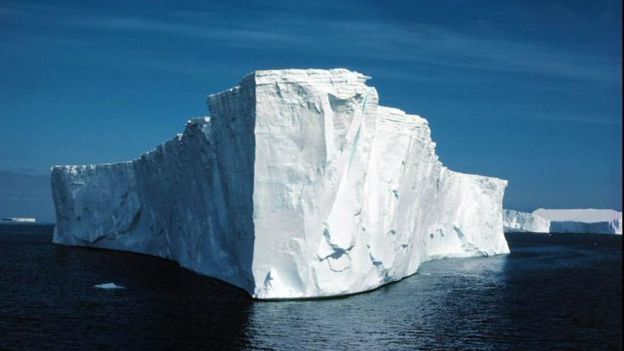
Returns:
<point x="551" y="292"/>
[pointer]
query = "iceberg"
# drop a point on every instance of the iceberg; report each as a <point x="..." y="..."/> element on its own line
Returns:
<point x="517" y="221"/>
<point x="108" y="286"/>
<point x="590" y="221"/>
<point x="299" y="185"/>
<point x="597" y="221"/>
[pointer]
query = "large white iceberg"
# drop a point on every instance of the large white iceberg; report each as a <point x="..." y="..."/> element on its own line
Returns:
<point x="298" y="185"/>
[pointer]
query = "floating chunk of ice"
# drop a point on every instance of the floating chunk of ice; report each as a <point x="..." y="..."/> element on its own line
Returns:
<point x="108" y="286"/>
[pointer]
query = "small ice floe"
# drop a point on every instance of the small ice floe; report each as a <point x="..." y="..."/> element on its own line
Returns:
<point x="108" y="286"/>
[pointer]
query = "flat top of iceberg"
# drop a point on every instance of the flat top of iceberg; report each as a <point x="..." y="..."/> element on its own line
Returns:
<point x="308" y="75"/>
<point x="336" y="77"/>
<point x="588" y="215"/>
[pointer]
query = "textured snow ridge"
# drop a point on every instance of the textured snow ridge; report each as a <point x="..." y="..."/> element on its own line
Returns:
<point x="516" y="221"/>
<point x="299" y="185"/>
<point x="590" y="220"/>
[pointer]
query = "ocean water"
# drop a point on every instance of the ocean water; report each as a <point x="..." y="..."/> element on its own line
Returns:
<point x="551" y="292"/>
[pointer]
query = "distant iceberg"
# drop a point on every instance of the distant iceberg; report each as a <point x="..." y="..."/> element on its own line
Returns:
<point x="516" y="221"/>
<point x="108" y="286"/>
<point x="596" y="221"/>
<point x="298" y="185"/>
<point x="18" y="220"/>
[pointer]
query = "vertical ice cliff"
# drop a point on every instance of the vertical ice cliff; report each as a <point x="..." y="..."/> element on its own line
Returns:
<point x="298" y="185"/>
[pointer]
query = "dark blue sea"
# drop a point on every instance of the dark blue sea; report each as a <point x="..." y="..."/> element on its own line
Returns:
<point x="559" y="292"/>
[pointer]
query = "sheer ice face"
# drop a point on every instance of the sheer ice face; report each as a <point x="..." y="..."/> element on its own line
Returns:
<point x="298" y="185"/>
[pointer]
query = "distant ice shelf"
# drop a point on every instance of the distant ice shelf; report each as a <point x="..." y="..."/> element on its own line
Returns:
<point x="18" y="220"/>
<point x="597" y="221"/>
<point x="298" y="185"/>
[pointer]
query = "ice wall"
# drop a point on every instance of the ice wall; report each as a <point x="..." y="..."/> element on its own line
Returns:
<point x="299" y="185"/>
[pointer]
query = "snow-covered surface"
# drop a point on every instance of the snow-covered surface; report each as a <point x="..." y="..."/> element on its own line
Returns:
<point x="600" y="221"/>
<point x="108" y="286"/>
<point x="516" y="221"/>
<point x="298" y="185"/>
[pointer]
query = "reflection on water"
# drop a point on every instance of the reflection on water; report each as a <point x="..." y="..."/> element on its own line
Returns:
<point x="550" y="292"/>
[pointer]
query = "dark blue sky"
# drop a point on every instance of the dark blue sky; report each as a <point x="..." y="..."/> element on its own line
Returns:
<point x="529" y="91"/>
